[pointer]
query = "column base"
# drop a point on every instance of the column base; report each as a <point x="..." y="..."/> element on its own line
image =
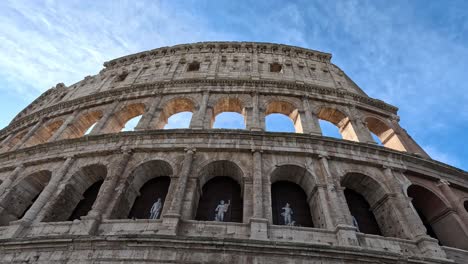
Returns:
<point x="430" y="247"/>
<point x="170" y="223"/>
<point x="346" y="235"/>
<point x="259" y="228"/>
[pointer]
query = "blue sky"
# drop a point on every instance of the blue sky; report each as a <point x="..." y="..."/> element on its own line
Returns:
<point x="412" y="54"/>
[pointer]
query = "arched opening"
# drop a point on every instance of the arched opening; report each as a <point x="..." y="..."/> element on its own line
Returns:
<point x="149" y="182"/>
<point x="384" y="133"/>
<point x="15" y="140"/>
<point x="466" y="205"/>
<point x="440" y="221"/>
<point x="43" y="134"/>
<point x="78" y="195"/>
<point x="289" y="205"/>
<point x="294" y="185"/>
<point x="85" y="205"/>
<point x="370" y="204"/>
<point x="82" y="125"/>
<point x="364" y="218"/>
<point x="279" y="123"/>
<point x="329" y="129"/>
<point x="220" y="201"/>
<point x="131" y="124"/>
<point x="221" y="195"/>
<point x="152" y="197"/>
<point x="179" y="120"/>
<point x="228" y="113"/>
<point x="340" y="120"/>
<point x="23" y="194"/>
<point x="120" y="119"/>
<point x="173" y="107"/>
<point x="284" y="108"/>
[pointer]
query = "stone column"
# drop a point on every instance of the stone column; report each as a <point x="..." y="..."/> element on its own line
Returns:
<point x="100" y="125"/>
<point x="258" y="223"/>
<point x="345" y="231"/>
<point x="408" y="142"/>
<point x="172" y="218"/>
<point x="147" y="120"/>
<point x="362" y="132"/>
<point x="310" y="122"/>
<point x="6" y="141"/>
<point x="200" y="116"/>
<point x="28" y="135"/>
<point x="5" y="186"/>
<point x="70" y="119"/>
<point x="414" y="226"/>
<point x="106" y="192"/>
<point x="43" y="198"/>
<point x="454" y="201"/>
<point x="256" y="126"/>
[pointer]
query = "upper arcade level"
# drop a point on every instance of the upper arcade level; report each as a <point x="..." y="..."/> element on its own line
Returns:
<point x="298" y="68"/>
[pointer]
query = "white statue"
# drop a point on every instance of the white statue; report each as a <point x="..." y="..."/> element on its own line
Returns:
<point x="221" y="209"/>
<point x="287" y="215"/>
<point x="355" y="223"/>
<point x="156" y="209"/>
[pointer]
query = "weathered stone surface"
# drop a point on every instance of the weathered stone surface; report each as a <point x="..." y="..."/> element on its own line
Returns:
<point x="47" y="163"/>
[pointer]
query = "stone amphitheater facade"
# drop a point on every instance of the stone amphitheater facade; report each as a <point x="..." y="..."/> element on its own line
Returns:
<point x="71" y="197"/>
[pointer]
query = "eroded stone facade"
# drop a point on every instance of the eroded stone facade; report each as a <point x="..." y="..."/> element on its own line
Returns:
<point x="48" y="164"/>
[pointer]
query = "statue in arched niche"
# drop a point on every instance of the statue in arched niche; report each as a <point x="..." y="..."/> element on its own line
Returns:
<point x="221" y="209"/>
<point x="355" y="223"/>
<point x="156" y="209"/>
<point x="287" y="215"/>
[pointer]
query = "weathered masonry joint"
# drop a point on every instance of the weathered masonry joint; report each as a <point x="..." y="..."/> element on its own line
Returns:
<point x="95" y="172"/>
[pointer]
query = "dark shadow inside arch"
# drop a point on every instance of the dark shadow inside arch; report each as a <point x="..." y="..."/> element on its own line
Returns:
<point x="151" y="191"/>
<point x="219" y="189"/>
<point x="466" y="205"/>
<point x="436" y="216"/>
<point x="85" y="205"/>
<point x="284" y="192"/>
<point x="360" y="210"/>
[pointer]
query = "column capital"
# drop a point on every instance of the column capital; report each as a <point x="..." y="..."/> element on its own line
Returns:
<point x="126" y="150"/>
<point x="190" y="150"/>
<point x="443" y="182"/>
<point x="253" y="150"/>
<point x="323" y="156"/>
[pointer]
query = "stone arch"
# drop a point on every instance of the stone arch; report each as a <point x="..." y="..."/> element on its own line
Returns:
<point x="438" y="217"/>
<point x="44" y="133"/>
<point x="82" y="124"/>
<point x="220" y="180"/>
<point x="339" y="119"/>
<point x="15" y="140"/>
<point x="117" y="122"/>
<point x="288" y="109"/>
<point x="228" y="104"/>
<point x="295" y="185"/>
<point x="175" y="106"/>
<point x="149" y="180"/>
<point x="370" y="203"/>
<point x="385" y="133"/>
<point x="78" y="195"/>
<point x="22" y="196"/>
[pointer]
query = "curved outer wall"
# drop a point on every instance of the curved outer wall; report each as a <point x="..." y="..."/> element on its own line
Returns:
<point x="47" y="162"/>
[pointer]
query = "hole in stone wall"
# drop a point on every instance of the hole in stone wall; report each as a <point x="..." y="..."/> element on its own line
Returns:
<point x="131" y="124"/>
<point x="276" y="67"/>
<point x="284" y="192"/>
<point x="360" y="210"/>
<point x="218" y="193"/>
<point x="279" y="123"/>
<point x="121" y="77"/>
<point x="329" y="129"/>
<point x="90" y="129"/>
<point x="179" y="120"/>
<point x="194" y="66"/>
<point x="85" y="205"/>
<point x="229" y="120"/>
<point x="146" y="206"/>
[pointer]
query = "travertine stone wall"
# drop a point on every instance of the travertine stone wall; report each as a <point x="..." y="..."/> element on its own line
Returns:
<point x="47" y="162"/>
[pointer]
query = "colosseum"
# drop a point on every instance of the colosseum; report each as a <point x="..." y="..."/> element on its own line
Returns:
<point x="76" y="187"/>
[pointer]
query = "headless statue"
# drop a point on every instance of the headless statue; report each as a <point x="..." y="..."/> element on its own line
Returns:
<point x="156" y="209"/>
